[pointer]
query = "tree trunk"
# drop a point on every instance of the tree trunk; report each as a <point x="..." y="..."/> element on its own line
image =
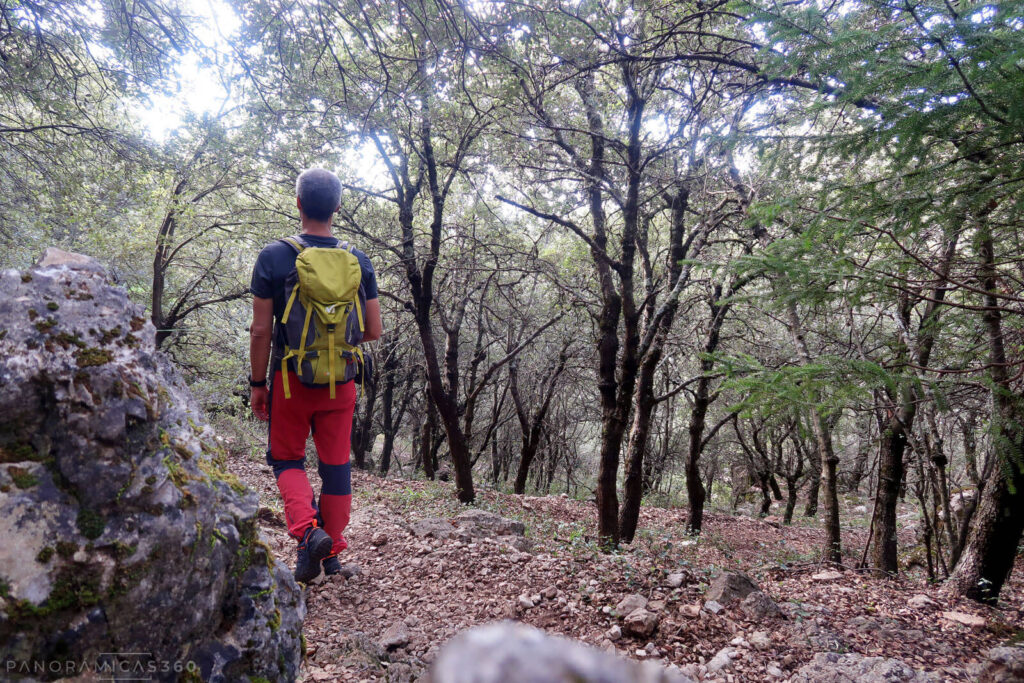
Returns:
<point x="632" y="493"/>
<point x="644" y="401"/>
<point x="832" y="550"/>
<point x="898" y="424"/>
<point x="616" y="371"/>
<point x="814" y="485"/>
<point x="362" y="427"/>
<point x="967" y="427"/>
<point x="988" y="557"/>
<point x="532" y="425"/>
<point x="387" y="400"/>
<point x="890" y="474"/>
<point x="427" y="438"/>
<point x="766" y="495"/>
<point x="791" y="492"/>
<point x="702" y="399"/>
<point x="695" y="492"/>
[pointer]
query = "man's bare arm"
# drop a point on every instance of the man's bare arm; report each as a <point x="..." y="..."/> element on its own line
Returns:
<point x="373" y="327"/>
<point x="260" y="333"/>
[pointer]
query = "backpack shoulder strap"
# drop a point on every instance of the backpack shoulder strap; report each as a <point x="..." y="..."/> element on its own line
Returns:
<point x="296" y="243"/>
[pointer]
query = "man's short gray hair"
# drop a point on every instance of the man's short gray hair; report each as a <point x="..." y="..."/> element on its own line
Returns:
<point x="319" y="191"/>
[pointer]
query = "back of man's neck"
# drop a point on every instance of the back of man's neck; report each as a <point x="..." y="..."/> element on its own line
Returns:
<point x="317" y="229"/>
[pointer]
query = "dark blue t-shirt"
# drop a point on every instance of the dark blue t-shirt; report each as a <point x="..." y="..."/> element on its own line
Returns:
<point x="278" y="259"/>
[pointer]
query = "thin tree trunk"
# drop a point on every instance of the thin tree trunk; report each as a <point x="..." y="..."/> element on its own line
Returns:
<point x="814" y="486"/>
<point x="532" y="425"/>
<point x="791" y="493"/>
<point x="832" y="551"/>
<point x="362" y="427"/>
<point x="702" y="399"/>
<point x="427" y="438"/>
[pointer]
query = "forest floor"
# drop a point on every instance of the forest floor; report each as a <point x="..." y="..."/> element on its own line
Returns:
<point x="427" y="590"/>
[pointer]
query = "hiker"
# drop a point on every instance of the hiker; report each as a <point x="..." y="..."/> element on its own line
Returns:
<point x="315" y="301"/>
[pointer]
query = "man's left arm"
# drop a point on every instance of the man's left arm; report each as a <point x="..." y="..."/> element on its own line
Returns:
<point x="374" y="326"/>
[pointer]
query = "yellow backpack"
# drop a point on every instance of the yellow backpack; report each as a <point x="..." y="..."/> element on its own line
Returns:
<point x="323" y="318"/>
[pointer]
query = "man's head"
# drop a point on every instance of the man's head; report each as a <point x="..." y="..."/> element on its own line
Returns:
<point x="319" y="193"/>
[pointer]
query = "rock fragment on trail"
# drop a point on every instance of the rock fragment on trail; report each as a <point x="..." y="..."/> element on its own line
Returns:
<point x="485" y="524"/>
<point x="472" y="525"/>
<point x="714" y="607"/>
<point x="965" y="619"/>
<point x="396" y="636"/>
<point x="921" y="601"/>
<point x="514" y="653"/>
<point x="760" y="640"/>
<point x="123" y="530"/>
<point x="722" y="659"/>
<point x="691" y="611"/>
<point x="832" y="667"/>
<point x="827" y="576"/>
<point x="350" y="570"/>
<point x="675" y="580"/>
<point x="640" y="623"/>
<point x="432" y="527"/>
<point x="629" y="604"/>
<point x="757" y="606"/>
<point x="729" y="586"/>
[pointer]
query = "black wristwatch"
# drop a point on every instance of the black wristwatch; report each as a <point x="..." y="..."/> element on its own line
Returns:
<point x="257" y="385"/>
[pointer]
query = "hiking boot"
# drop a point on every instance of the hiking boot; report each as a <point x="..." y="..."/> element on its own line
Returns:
<point x="332" y="565"/>
<point x="315" y="546"/>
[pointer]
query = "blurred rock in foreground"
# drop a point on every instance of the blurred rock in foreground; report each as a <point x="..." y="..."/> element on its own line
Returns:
<point x="516" y="653"/>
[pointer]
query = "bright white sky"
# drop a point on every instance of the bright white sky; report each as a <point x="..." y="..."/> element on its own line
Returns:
<point x="200" y="88"/>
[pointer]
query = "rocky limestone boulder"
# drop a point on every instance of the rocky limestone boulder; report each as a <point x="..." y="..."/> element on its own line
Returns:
<point x="123" y="532"/>
<point x="516" y="653"/>
<point x="831" y="667"/>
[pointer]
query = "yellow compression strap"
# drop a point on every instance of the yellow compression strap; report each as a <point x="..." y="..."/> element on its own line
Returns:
<point x="302" y="342"/>
<point x="288" y="306"/>
<point x="284" y="376"/>
<point x="330" y="358"/>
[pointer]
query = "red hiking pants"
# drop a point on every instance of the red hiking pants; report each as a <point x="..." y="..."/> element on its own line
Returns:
<point x="291" y="419"/>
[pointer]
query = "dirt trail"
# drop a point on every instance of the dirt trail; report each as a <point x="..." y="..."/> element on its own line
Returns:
<point x="424" y="591"/>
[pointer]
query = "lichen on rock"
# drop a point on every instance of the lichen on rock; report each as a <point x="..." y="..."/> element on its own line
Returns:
<point x="123" y="530"/>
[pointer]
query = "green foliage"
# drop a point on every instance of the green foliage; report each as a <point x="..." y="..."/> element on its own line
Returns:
<point x="90" y="523"/>
<point x="21" y="477"/>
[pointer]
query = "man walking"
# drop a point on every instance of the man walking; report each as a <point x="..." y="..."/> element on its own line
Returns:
<point x="295" y="408"/>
